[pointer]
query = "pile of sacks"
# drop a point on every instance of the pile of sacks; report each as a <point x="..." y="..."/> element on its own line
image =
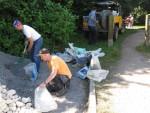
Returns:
<point x="10" y="102"/>
<point x="93" y="71"/>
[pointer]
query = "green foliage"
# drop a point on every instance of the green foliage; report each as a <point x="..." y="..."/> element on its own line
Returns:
<point x="66" y="3"/>
<point x="139" y="14"/>
<point x="55" y="22"/>
<point x="9" y="41"/>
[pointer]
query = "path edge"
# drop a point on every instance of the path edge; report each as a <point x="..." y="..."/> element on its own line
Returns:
<point x="92" y="98"/>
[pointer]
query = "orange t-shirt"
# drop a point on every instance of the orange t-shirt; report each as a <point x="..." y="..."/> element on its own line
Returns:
<point x="59" y="64"/>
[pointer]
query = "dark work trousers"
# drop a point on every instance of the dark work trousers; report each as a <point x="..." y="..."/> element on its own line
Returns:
<point x="92" y="34"/>
<point x="59" y="85"/>
<point x="37" y="45"/>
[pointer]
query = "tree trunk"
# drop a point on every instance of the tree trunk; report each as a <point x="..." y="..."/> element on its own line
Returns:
<point x="147" y="38"/>
<point x="147" y="30"/>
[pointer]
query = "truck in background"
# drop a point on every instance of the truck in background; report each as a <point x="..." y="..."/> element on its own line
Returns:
<point x="104" y="10"/>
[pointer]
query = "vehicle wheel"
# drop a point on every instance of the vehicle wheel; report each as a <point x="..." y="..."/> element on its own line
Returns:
<point x="115" y="35"/>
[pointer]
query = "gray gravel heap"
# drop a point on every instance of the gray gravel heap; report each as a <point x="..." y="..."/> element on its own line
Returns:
<point x="13" y="77"/>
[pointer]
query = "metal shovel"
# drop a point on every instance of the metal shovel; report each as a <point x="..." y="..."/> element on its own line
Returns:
<point x="25" y="50"/>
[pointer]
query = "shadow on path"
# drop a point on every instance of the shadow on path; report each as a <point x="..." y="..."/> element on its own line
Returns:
<point x="125" y="87"/>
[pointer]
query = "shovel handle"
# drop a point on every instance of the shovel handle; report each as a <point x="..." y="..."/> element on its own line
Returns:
<point x="25" y="48"/>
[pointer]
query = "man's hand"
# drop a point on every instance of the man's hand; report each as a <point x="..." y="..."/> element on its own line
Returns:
<point x="42" y="85"/>
<point x="28" y="50"/>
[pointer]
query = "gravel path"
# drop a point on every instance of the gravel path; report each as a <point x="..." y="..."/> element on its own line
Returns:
<point x="127" y="88"/>
<point x="12" y="75"/>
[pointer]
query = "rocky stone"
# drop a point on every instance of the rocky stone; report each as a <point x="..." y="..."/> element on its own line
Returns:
<point x="13" y="108"/>
<point x="26" y="100"/>
<point x="11" y="92"/>
<point x="10" y="102"/>
<point x="28" y="105"/>
<point x="3" y="86"/>
<point x="5" y="109"/>
<point x="4" y="90"/>
<point x="9" y="112"/>
<point x="20" y="104"/>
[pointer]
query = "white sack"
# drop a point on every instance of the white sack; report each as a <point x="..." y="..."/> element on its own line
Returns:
<point x="44" y="101"/>
<point x="95" y="63"/>
<point x="97" y="75"/>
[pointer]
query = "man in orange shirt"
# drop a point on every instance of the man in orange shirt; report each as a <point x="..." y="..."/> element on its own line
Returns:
<point x="59" y="79"/>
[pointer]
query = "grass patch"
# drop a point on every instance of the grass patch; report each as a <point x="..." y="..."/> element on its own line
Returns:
<point x="139" y="27"/>
<point x="144" y="49"/>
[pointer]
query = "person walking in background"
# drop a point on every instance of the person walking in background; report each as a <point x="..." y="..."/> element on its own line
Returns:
<point x="34" y="40"/>
<point x="58" y="81"/>
<point x="131" y="21"/>
<point x="92" y="26"/>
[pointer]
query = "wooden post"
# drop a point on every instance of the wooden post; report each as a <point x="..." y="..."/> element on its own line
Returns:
<point x="147" y="30"/>
<point x="110" y="30"/>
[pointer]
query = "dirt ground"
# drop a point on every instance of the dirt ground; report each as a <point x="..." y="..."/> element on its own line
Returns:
<point x="12" y="75"/>
<point x="127" y="88"/>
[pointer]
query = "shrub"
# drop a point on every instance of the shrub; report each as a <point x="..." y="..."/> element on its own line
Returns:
<point x="55" y="22"/>
<point x="139" y="15"/>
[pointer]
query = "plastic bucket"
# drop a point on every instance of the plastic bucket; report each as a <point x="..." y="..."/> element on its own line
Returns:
<point x="30" y="69"/>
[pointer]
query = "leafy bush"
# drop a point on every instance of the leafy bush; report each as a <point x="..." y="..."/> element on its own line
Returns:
<point x="55" y="22"/>
<point x="139" y="15"/>
<point x="66" y="3"/>
<point x="10" y="41"/>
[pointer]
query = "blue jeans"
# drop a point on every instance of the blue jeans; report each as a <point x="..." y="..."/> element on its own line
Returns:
<point x="37" y="45"/>
<point x="92" y="34"/>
